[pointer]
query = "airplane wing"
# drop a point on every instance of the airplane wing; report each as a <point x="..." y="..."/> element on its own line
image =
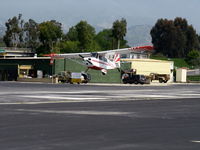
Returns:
<point x="106" y="53"/>
<point x="73" y="55"/>
<point x="68" y="55"/>
<point x="109" y="53"/>
<point x="87" y="54"/>
<point x="128" y="50"/>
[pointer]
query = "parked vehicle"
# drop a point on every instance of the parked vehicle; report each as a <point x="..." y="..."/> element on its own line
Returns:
<point x="160" y="77"/>
<point x="73" y="77"/>
<point x="64" y="76"/>
<point x="85" y="77"/>
<point x="77" y="77"/>
<point x="131" y="77"/>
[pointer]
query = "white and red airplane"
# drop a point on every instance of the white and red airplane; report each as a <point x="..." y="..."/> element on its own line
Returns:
<point x="98" y="60"/>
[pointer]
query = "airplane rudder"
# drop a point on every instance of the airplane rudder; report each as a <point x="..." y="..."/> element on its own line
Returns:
<point x="117" y="57"/>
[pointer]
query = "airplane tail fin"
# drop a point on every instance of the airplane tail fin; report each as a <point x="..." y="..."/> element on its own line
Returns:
<point x="117" y="60"/>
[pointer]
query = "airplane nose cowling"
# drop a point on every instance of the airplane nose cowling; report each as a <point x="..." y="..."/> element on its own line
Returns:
<point x="87" y="61"/>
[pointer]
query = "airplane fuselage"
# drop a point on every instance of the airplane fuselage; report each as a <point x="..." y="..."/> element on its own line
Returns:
<point x="97" y="64"/>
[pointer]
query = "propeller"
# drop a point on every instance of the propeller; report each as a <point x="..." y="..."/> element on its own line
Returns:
<point x="81" y="56"/>
<point x="89" y="62"/>
<point x="85" y="59"/>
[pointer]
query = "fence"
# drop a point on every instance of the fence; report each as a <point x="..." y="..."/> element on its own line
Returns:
<point x="193" y="75"/>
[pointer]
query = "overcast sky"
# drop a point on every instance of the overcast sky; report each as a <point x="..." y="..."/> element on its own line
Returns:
<point x="102" y="12"/>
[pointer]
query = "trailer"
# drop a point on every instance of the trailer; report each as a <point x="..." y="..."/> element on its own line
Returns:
<point x="162" y="78"/>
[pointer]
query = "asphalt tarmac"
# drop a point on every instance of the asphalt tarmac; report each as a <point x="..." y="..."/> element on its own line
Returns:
<point x="36" y="116"/>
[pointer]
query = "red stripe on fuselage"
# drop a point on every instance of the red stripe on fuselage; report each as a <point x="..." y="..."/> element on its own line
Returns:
<point x="95" y="67"/>
<point x="104" y="63"/>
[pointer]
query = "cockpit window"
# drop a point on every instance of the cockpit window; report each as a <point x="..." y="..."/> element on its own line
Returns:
<point x="102" y="58"/>
<point x="96" y="55"/>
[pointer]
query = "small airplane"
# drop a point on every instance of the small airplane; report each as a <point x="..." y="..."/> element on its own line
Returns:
<point x="98" y="60"/>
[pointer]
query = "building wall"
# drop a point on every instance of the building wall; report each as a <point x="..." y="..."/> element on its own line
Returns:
<point x="181" y="75"/>
<point x="37" y="64"/>
<point x="112" y="76"/>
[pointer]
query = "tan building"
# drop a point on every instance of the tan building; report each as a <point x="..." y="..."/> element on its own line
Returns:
<point x="147" y="66"/>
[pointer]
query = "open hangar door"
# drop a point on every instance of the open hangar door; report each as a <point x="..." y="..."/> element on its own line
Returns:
<point x="8" y="72"/>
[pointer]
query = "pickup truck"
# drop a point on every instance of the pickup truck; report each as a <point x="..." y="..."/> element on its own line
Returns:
<point x="131" y="77"/>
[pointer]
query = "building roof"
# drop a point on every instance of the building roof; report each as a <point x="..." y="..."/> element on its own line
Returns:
<point x="146" y="60"/>
<point x="28" y="58"/>
<point x="149" y="48"/>
<point x="16" y="52"/>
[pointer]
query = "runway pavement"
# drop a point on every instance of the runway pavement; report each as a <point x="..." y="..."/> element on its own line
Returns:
<point x="101" y="117"/>
<point x="37" y="93"/>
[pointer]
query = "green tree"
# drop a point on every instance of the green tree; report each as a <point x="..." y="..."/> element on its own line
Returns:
<point x="193" y="58"/>
<point x="119" y="30"/>
<point x="189" y="32"/>
<point x="85" y="35"/>
<point x="198" y="38"/>
<point x="180" y="44"/>
<point x="181" y="23"/>
<point x="50" y="33"/>
<point x="192" y="39"/>
<point x="14" y="32"/>
<point x="162" y="34"/>
<point x="31" y="30"/>
<point x="67" y="47"/>
<point x="174" y="38"/>
<point x="72" y="34"/>
<point x="105" y="39"/>
<point x="2" y="44"/>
